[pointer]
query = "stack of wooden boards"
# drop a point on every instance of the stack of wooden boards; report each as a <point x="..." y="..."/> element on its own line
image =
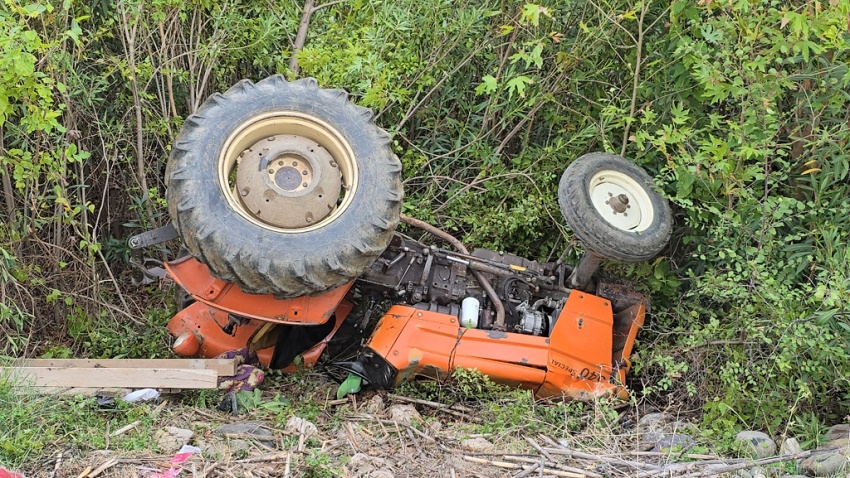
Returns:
<point x="119" y="373"/>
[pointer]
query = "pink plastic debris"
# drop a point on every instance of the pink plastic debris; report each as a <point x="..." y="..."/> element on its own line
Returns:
<point x="184" y="454"/>
<point x="4" y="473"/>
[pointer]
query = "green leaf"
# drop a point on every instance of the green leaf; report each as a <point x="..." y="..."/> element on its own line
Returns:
<point x="488" y="85"/>
<point x="518" y="84"/>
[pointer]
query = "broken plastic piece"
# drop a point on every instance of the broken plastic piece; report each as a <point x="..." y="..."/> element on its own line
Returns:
<point x="4" y="473"/>
<point x="142" y="395"/>
<point x="184" y="454"/>
<point x="350" y="385"/>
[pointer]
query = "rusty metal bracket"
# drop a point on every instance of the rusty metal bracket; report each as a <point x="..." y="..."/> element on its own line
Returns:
<point x="153" y="237"/>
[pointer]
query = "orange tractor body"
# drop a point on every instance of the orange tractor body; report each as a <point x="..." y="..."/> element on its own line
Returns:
<point x="585" y="355"/>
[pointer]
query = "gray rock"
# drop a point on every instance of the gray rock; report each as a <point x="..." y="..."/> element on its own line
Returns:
<point x="790" y="447"/>
<point x="297" y="426"/>
<point x="255" y="430"/>
<point x="757" y="443"/>
<point x="477" y="444"/>
<point x="172" y="439"/>
<point x="673" y="442"/>
<point x="827" y="464"/>
<point x="651" y="427"/>
<point x="404" y="414"/>
<point x="837" y="432"/>
<point x="245" y="428"/>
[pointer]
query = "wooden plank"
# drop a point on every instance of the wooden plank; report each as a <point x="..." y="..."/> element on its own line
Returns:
<point x="112" y="377"/>
<point x="224" y="367"/>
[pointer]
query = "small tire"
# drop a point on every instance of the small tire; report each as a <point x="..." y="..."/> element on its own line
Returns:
<point x="613" y="208"/>
<point x="283" y="188"/>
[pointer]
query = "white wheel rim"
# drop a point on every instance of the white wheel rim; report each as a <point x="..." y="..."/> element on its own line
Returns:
<point x="621" y="200"/>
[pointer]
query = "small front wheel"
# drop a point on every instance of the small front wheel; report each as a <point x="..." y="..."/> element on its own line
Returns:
<point x="612" y="207"/>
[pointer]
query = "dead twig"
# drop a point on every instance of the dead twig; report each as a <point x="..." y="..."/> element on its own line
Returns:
<point x="58" y="463"/>
<point x="126" y="428"/>
<point x="603" y="459"/>
<point x="553" y="464"/>
<point x="538" y="448"/>
<point x="688" y="468"/>
<point x="416" y="443"/>
<point x="105" y="466"/>
<point x="265" y="458"/>
<point x="209" y="469"/>
<point x="527" y="471"/>
<point x="456" y="410"/>
<point x="514" y="466"/>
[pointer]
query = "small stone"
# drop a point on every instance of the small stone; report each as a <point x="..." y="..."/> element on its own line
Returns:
<point x="172" y="439"/>
<point x="838" y="431"/>
<point x="758" y="472"/>
<point x="790" y="447"/>
<point x="374" y="405"/>
<point x="477" y="444"/>
<point x="758" y="443"/>
<point x="404" y="414"/>
<point x="673" y="442"/>
<point x="297" y="426"/>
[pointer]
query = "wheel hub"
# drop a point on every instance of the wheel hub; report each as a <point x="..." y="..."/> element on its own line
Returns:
<point x="621" y="201"/>
<point x="288" y="181"/>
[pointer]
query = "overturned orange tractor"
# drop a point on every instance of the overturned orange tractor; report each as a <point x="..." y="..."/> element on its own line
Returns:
<point x="287" y="196"/>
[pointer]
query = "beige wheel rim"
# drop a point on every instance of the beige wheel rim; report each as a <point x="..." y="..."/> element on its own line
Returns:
<point x="288" y="172"/>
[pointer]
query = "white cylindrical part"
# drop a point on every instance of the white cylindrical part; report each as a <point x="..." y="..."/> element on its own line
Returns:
<point x="469" y="312"/>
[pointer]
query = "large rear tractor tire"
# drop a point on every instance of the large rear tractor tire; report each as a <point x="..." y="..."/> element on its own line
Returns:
<point x="612" y="207"/>
<point x="284" y="188"/>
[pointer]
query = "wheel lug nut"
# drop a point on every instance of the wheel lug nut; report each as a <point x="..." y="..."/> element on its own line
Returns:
<point x="295" y="163"/>
<point x="304" y="185"/>
<point x="280" y="163"/>
<point x="271" y="171"/>
<point x="304" y="172"/>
